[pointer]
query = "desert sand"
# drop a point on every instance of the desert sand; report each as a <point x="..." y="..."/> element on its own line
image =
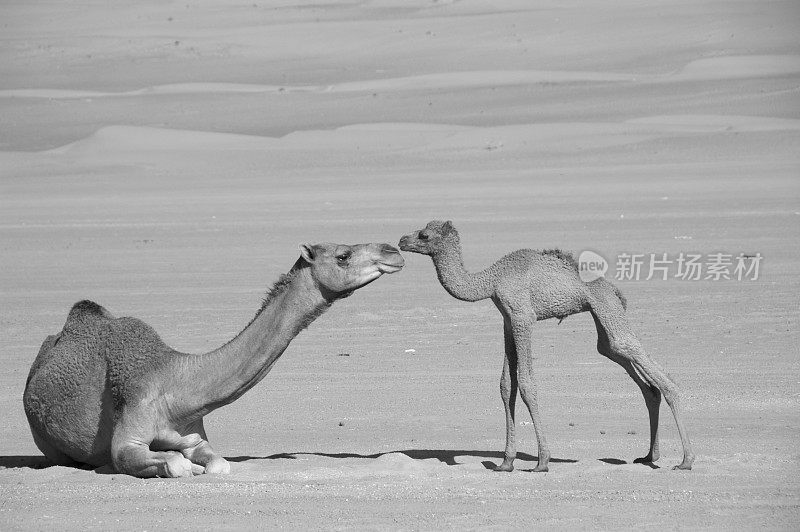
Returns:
<point x="166" y="158"/>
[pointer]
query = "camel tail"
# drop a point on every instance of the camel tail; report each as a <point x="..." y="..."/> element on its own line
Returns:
<point x="605" y="292"/>
<point x="621" y="297"/>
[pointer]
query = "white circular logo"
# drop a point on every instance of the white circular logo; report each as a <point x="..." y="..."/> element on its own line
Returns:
<point x="591" y="266"/>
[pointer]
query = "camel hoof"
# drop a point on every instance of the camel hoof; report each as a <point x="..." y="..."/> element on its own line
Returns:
<point x="688" y="460"/>
<point x="177" y="466"/>
<point x="541" y="469"/>
<point x="218" y="466"/>
<point x="505" y="467"/>
<point x="645" y="460"/>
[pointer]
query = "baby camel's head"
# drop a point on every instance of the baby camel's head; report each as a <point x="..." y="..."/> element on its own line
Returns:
<point x="430" y="239"/>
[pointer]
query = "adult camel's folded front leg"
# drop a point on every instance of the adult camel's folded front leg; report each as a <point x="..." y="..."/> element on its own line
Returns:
<point x="197" y="450"/>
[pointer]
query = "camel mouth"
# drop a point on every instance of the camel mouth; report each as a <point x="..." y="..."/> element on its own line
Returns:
<point x="411" y="248"/>
<point x="405" y="244"/>
<point x="384" y="267"/>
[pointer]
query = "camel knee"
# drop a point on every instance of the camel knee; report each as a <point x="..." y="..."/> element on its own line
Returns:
<point x="656" y="382"/>
<point x="505" y="389"/>
<point x="626" y="346"/>
<point x="629" y="349"/>
<point x="527" y="390"/>
<point x="672" y="394"/>
<point x="50" y="452"/>
<point x="128" y="457"/>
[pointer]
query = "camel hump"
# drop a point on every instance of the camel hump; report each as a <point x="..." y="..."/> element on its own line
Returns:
<point x="87" y="310"/>
<point x="85" y="314"/>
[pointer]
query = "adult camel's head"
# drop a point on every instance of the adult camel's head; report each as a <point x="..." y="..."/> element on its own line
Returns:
<point x="339" y="269"/>
<point x="430" y="239"/>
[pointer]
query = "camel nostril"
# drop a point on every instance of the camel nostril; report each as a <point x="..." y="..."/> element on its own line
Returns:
<point x="386" y="248"/>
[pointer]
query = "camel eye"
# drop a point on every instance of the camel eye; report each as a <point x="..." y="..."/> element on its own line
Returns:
<point x="423" y="235"/>
<point x="341" y="258"/>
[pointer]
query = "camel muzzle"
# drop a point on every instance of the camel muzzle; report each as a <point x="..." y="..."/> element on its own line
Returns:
<point x="391" y="260"/>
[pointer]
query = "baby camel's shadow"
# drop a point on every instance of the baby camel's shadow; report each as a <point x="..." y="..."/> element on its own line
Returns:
<point x="617" y="461"/>
<point x="446" y="456"/>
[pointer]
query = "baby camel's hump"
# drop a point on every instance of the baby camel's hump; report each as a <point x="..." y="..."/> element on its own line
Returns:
<point x="67" y="398"/>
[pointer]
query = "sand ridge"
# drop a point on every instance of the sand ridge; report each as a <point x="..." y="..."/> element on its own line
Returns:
<point x="714" y="68"/>
<point x="545" y="137"/>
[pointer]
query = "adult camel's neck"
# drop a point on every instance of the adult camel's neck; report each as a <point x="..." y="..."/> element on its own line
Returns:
<point x="458" y="282"/>
<point x="218" y="378"/>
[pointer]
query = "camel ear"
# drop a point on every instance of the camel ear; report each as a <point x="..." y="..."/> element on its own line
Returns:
<point x="448" y="227"/>
<point x="307" y="252"/>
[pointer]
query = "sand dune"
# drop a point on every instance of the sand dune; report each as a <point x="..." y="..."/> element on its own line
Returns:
<point x="131" y="138"/>
<point x="173" y="89"/>
<point x="739" y="67"/>
<point x="721" y="122"/>
<point x="553" y="137"/>
<point x="715" y="68"/>
<point x="439" y="81"/>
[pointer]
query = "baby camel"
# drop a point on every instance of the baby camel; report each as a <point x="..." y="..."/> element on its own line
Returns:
<point x="108" y="391"/>
<point x="527" y="286"/>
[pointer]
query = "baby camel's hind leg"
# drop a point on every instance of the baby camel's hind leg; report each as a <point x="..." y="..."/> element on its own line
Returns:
<point x="652" y="395"/>
<point x="624" y="344"/>
<point x="508" y="392"/>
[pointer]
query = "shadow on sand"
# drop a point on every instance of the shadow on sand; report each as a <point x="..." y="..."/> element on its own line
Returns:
<point x="30" y="462"/>
<point x="617" y="461"/>
<point x="445" y="456"/>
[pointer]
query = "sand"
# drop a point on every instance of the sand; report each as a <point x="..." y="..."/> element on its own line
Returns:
<point x="166" y="158"/>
